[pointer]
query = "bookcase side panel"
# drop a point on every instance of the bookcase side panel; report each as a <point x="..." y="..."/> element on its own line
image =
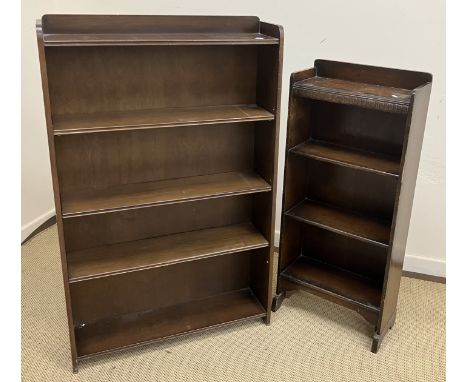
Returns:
<point x="268" y="96"/>
<point x="56" y="188"/>
<point x="403" y="206"/>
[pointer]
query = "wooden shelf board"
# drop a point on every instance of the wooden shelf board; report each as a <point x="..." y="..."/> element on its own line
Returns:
<point x="361" y="94"/>
<point x="145" y="327"/>
<point x="336" y="282"/>
<point x="157" y="118"/>
<point x="344" y="156"/>
<point x="91" y="39"/>
<point x="341" y="221"/>
<point x="162" y="251"/>
<point x="136" y="195"/>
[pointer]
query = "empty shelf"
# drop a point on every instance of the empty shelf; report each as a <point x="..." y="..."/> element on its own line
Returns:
<point x="333" y="281"/>
<point x="131" y="330"/>
<point x="348" y="157"/>
<point x="157" y="118"/>
<point x="158" y="39"/>
<point x="160" y="251"/>
<point x="341" y="221"/>
<point x="136" y="195"/>
<point x="360" y="94"/>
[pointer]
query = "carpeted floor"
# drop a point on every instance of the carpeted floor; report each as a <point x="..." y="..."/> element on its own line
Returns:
<point x="309" y="339"/>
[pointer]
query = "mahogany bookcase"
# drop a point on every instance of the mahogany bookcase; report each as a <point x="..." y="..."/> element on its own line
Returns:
<point x="163" y="138"/>
<point x="352" y="153"/>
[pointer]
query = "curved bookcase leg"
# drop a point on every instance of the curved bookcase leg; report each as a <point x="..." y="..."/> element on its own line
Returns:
<point x="376" y="341"/>
<point x="392" y="322"/>
<point x="278" y="300"/>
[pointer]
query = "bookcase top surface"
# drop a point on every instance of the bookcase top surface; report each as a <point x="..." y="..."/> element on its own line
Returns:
<point x="371" y="87"/>
<point x="73" y="30"/>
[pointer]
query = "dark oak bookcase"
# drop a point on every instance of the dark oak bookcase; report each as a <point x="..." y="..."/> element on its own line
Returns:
<point x="163" y="138"/>
<point x="352" y="153"/>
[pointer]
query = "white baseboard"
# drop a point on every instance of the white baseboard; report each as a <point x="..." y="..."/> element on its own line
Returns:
<point x="413" y="263"/>
<point x="424" y="265"/>
<point x="29" y="228"/>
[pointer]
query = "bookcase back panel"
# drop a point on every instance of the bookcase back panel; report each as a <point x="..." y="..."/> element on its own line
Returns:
<point x="364" y="129"/>
<point x="397" y="78"/>
<point x="296" y="181"/>
<point x="264" y="151"/>
<point x="300" y="121"/>
<point x="344" y="252"/>
<point x="291" y="242"/>
<point x="101" y="160"/>
<point x="148" y="24"/>
<point x="267" y="75"/>
<point x="138" y="292"/>
<point x="122" y="78"/>
<point x="116" y="227"/>
<point x="348" y="188"/>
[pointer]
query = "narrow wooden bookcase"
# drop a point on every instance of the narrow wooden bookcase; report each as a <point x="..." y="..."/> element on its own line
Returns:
<point x="163" y="138"/>
<point x="352" y="153"/>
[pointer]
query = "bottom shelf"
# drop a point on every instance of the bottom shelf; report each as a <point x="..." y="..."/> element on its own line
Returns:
<point x="335" y="282"/>
<point x="144" y="327"/>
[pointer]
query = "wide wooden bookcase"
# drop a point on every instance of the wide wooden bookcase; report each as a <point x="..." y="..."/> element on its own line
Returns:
<point x="163" y="137"/>
<point x="352" y="153"/>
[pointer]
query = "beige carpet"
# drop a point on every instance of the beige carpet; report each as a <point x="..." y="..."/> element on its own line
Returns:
<point x="309" y="339"/>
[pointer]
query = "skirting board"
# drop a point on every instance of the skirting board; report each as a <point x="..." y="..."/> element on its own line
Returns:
<point x="29" y="228"/>
<point x="413" y="263"/>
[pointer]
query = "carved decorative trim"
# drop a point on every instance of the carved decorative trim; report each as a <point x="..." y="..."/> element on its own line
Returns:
<point x="388" y="104"/>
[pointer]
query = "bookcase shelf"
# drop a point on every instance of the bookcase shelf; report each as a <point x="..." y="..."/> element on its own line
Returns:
<point x="363" y="292"/>
<point x="352" y="152"/>
<point x="343" y="222"/>
<point x="146" y="327"/>
<point x="148" y="194"/>
<point x="159" y="39"/>
<point x="345" y="156"/>
<point x="163" y="136"/>
<point x="157" y="118"/>
<point x="162" y="251"/>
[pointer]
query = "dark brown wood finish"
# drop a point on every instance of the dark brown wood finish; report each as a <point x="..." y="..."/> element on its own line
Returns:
<point x="56" y="187"/>
<point x="341" y="221"/>
<point x="137" y="195"/>
<point x="353" y="144"/>
<point x="167" y="322"/>
<point x="328" y="279"/>
<point x="158" y="118"/>
<point x="162" y="251"/>
<point x="347" y="157"/>
<point x="163" y="135"/>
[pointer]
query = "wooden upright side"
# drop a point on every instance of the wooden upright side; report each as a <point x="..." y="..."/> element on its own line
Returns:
<point x="55" y="183"/>
<point x="269" y="81"/>
<point x="416" y="122"/>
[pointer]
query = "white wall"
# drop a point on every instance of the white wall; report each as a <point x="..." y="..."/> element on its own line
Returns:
<point x="402" y="34"/>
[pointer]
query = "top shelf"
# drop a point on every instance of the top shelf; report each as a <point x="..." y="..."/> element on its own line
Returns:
<point x="370" y="96"/>
<point x="92" y="39"/>
<point x="89" y="30"/>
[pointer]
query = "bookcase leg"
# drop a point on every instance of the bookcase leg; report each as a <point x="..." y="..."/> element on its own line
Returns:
<point x="378" y="337"/>
<point x="392" y="321"/>
<point x="75" y="366"/>
<point x="266" y="319"/>
<point x="376" y="341"/>
<point x="278" y="300"/>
